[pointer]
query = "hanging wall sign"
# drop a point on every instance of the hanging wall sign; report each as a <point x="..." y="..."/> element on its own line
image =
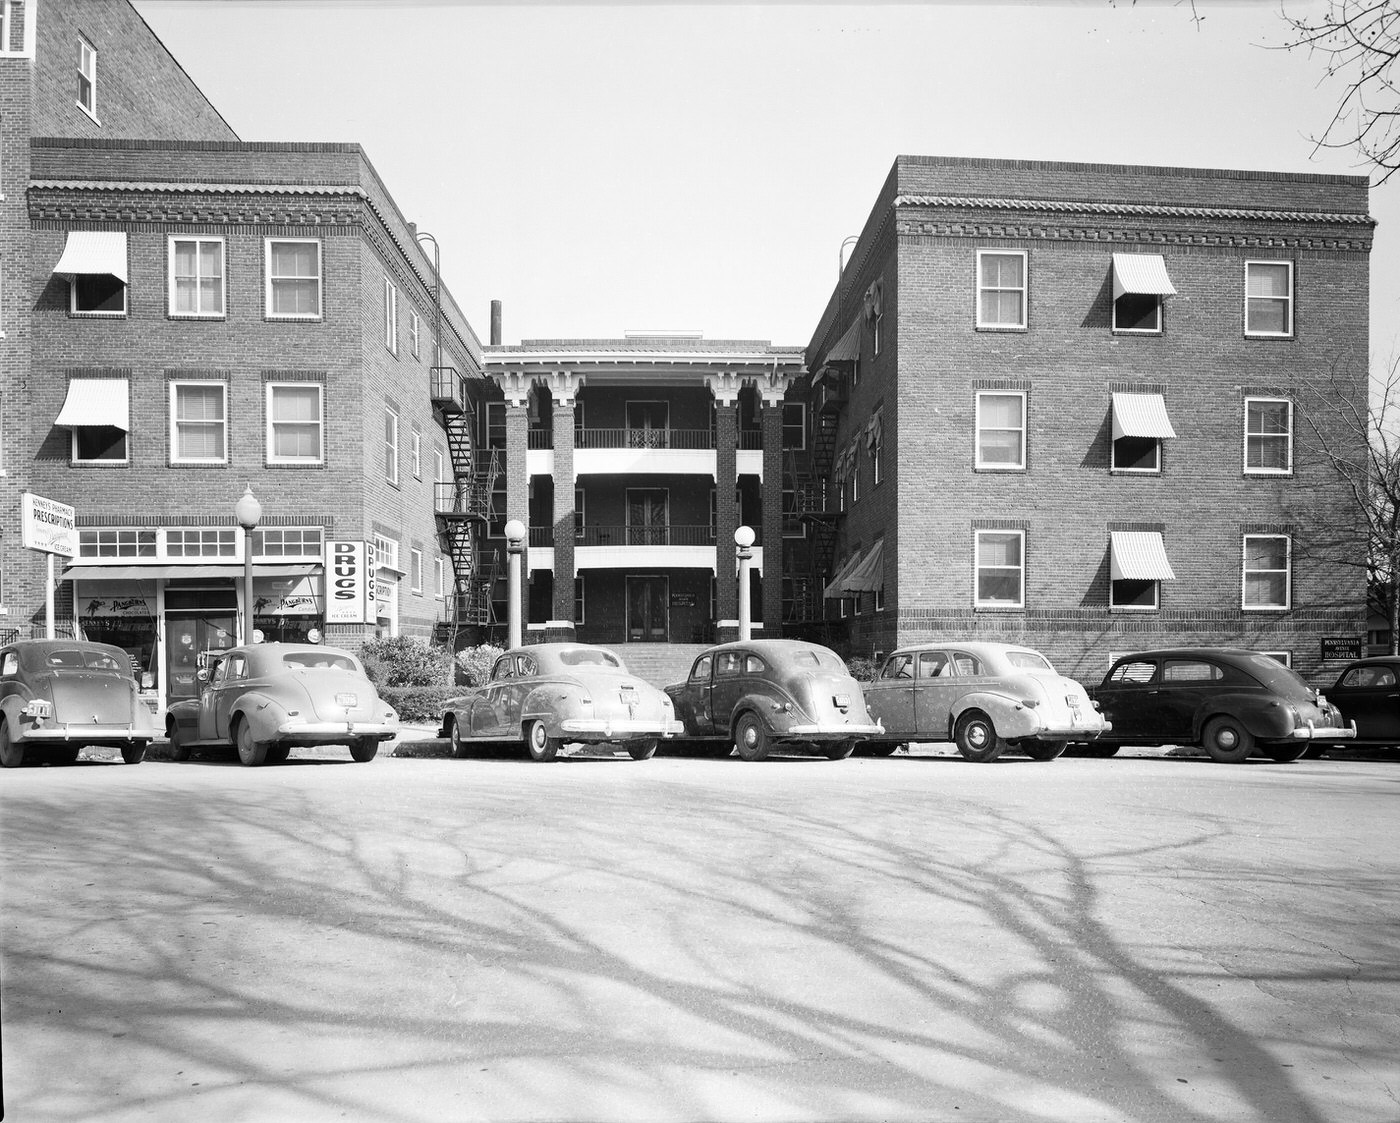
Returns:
<point x="349" y="583"/>
<point x="48" y="526"/>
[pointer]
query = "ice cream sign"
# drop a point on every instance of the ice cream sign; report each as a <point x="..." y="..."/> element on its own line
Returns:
<point x="48" y="526"/>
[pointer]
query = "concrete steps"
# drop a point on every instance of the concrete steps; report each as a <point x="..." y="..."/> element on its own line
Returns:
<point x="659" y="663"/>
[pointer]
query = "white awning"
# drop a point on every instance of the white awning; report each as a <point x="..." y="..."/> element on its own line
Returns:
<point x="1140" y="415"/>
<point x="1143" y="273"/>
<point x="870" y="574"/>
<point x="838" y="583"/>
<point x="1138" y="555"/>
<point x="89" y="252"/>
<point x="95" y="401"/>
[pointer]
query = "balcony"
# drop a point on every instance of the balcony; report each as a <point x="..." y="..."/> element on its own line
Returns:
<point x="643" y="451"/>
<point x="832" y="393"/>
<point x="448" y="389"/>
<point x="633" y="547"/>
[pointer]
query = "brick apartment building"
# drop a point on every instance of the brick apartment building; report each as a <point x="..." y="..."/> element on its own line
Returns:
<point x="187" y="315"/>
<point x="1063" y="404"/>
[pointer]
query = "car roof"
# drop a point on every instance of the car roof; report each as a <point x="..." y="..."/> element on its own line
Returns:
<point x="974" y="646"/>
<point x="1191" y="652"/>
<point x="762" y="646"/>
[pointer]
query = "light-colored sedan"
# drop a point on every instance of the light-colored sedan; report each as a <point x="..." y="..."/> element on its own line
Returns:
<point x="266" y="698"/>
<point x="984" y="697"/>
<point x="548" y="695"/>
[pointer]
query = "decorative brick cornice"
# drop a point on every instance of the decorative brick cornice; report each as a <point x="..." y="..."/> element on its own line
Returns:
<point x="1138" y="236"/>
<point x="1153" y="210"/>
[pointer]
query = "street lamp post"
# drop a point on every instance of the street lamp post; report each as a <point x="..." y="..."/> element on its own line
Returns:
<point x="743" y="539"/>
<point x="515" y="546"/>
<point x="248" y="512"/>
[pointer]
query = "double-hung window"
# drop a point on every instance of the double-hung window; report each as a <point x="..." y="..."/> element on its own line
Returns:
<point x="293" y="278"/>
<point x="1001" y="288"/>
<point x="87" y="76"/>
<point x="391" y="446"/>
<point x="294" y="423"/>
<point x="196" y="276"/>
<point x="1268" y="436"/>
<point x="1001" y="430"/>
<point x="1267" y="569"/>
<point x="415" y="450"/>
<point x="391" y="316"/>
<point x="415" y="570"/>
<point x="1268" y="298"/>
<point x="413" y="333"/>
<point x="198" y="423"/>
<point x="1001" y="570"/>
<point x="440" y="572"/>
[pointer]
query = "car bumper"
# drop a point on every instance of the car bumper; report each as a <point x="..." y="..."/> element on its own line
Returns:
<point x="831" y="732"/>
<point x="1071" y="732"/>
<point x="333" y="732"/>
<point x="609" y="729"/>
<point x="90" y="734"/>
<point x="1311" y="732"/>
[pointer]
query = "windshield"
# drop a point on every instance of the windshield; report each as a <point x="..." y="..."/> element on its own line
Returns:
<point x="317" y="660"/>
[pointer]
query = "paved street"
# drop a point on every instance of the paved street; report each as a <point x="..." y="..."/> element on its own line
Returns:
<point x="915" y="938"/>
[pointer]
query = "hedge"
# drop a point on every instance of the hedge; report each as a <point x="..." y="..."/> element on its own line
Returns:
<point x="419" y="704"/>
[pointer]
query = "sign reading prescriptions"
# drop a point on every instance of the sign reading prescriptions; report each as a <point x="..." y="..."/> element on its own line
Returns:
<point x="349" y="583"/>
<point x="48" y="525"/>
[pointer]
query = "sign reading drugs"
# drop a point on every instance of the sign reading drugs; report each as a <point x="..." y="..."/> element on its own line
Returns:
<point x="48" y="525"/>
<point x="349" y="583"/>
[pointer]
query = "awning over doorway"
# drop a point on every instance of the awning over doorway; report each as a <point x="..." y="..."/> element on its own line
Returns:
<point x="869" y="576"/>
<point x="836" y="586"/>
<point x="152" y="572"/>
<point x="1140" y="415"/>
<point x="1138" y="555"/>
<point x="1142" y="273"/>
<point x="96" y="401"/>
<point x="93" y="252"/>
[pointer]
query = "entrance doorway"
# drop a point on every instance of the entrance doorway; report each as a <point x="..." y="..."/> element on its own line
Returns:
<point x="648" y="516"/>
<point x="648" y="600"/>
<point x="187" y="636"/>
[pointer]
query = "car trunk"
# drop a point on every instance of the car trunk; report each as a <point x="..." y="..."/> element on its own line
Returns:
<point x="337" y="695"/>
<point x="85" y="698"/>
<point x="1057" y="711"/>
<point x="823" y="694"/>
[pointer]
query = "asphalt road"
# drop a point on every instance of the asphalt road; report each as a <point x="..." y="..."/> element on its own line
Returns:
<point x="914" y="938"/>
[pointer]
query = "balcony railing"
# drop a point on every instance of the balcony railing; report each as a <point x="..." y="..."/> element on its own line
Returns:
<point x="674" y="535"/>
<point x="448" y="389"/>
<point x="684" y="439"/>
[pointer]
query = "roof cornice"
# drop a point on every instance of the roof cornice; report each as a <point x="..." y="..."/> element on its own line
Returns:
<point x="1075" y="206"/>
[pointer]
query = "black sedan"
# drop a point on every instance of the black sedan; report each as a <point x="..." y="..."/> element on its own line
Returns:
<point x="1368" y="693"/>
<point x="1228" y="700"/>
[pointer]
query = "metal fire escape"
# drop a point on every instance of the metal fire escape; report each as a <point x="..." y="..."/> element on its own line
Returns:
<point x="816" y="495"/>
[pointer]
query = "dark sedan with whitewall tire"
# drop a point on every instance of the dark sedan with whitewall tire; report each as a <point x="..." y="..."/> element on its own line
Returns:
<point x="545" y="696"/>
<point x="983" y="697"/>
<point x="753" y="695"/>
<point x="56" y="696"/>
<point x="1232" y="702"/>
<point x="265" y="699"/>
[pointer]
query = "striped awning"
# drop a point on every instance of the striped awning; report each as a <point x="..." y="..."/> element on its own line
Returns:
<point x="869" y="576"/>
<point x="93" y="252"/>
<point x="1138" y="555"/>
<point x="1142" y="273"/>
<point x="847" y="349"/>
<point x="95" y="401"/>
<point x="836" y="586"/>
<point x="1140" y="415"/>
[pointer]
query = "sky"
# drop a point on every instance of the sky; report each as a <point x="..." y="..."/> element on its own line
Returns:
<point x="695" y="167"/>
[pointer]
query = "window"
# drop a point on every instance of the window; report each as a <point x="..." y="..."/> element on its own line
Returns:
<point x="875" y="445"/>
<point x="579" y="512"/>
<point x="294" y="423"/>
<point x="391" y="316"/>
<point x="1138" y="311"/>
<point x="1140" y="284"/>
<point x="440" y="573"/>
<point x="876" y="331"/>
<point x="87" y="76"/>
<point x="1268" y="303"/>
<point x="444" y="494"/>
<point x="795" y="425"/>
<point x="1000" y="568"/>
<point x="495" y="425"/>
<point x="391" y="446"/>
<point x="202" y="542"/>
<point x="293" y="278"/>
<point x="99" y="444"/>
<point x="112" y="543"/>
<point x="415" y="570"/>
<point x="1268" y="436"/>
<point x="1133" y="593"/>
<point x="413" y="333"/>
<point x="580" y="600"/>
<point x="1266" y="571"/>
<point x="196" y="277"/>
<point x="198" y="423"/>
<point x="415" y="454"/>
<point x="1001" y="289"/>
<point x="97" y="294"/>
<point x="289" y="542"/>
<point x="386" y="553"/>
<point x="1001" y="431"/>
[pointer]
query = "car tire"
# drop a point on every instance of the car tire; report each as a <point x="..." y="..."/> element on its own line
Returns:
<point x="1226" y="741"/>
<point x="879" y="748"/>
<point x="277" y="753"/>
<point x="837" y="750"/>
<point x="251" y="753"/>
<point x="976" y="737"/>
<point x="454" y="734"/>
<point x="1101" y="752"/>
<point x="643" y="749"/>
<point x="541" y="745"/>
<point x="1286" y="754"/>
<point x="750" y="737"/>
<point x="134" y="754"/>
<point x="11" y="754"/>
<point x="364" y="749"/>
<point x="1043" y="750"/>
<point x="68" y="754"/>
<point x="179" y="748"/>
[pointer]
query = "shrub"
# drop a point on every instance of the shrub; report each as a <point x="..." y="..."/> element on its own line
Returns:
<point x="474" y="664"/>
<point x="418" y="704"/>
<point x="405" y="661"/>
<point x="862" y="670"/>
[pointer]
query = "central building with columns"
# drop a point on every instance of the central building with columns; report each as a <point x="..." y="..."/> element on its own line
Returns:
<point x="632" y="462"/>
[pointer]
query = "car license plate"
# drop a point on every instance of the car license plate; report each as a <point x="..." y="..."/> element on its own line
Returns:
<point x="841" y="701"/>
<point x="628" y="694"/>
<point x="347" y="700"/>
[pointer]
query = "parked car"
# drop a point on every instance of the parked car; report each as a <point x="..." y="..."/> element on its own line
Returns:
<point x="1229" y="700"/>
<point x="58" y="695"/>
<point x="755" y="694"/>
<point x="1367" y="692"/>
<point x="548" y="695"/>
<point x="984" y="697"/>
<point x="267" y="698"/>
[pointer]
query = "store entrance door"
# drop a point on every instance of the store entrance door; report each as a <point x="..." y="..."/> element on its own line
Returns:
<point x="187" y="636"/>
<point x="648" y="599"/>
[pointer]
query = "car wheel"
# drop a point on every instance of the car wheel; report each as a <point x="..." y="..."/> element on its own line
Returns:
<point x="838" y="750"/>
<point x="1227" y="741"/>
<point x="278" y="753"/>
<point x="134" y="753"/>
<point x="541" y="745"/>
<point x="250" y="752"/>
<point x="1043" y="750"/>
<point x="1286" y="754"/>
<point x="179" y="749"/>
<point x="976" y="737"/>
<point x="66" y="755"/>
<point x="750" y="738"/>
<point x="1102" y="752"/>
<point x="11" y="754"/>
<point x="879" y="748"/>
<point x="644" y="749"/>
<point x="363" y="749"/>
<point x="454" y="733"/>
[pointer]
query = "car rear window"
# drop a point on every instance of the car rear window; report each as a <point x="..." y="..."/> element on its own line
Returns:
<point x="1190" y="670"/>
<point x="1029" y="660"/>
<point x="318" y="660"/>
<point x="86" y="661"/>
<point x="588" y="657"/>
<point x="818" y="657"/>
<point x="1276" y="676"/>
